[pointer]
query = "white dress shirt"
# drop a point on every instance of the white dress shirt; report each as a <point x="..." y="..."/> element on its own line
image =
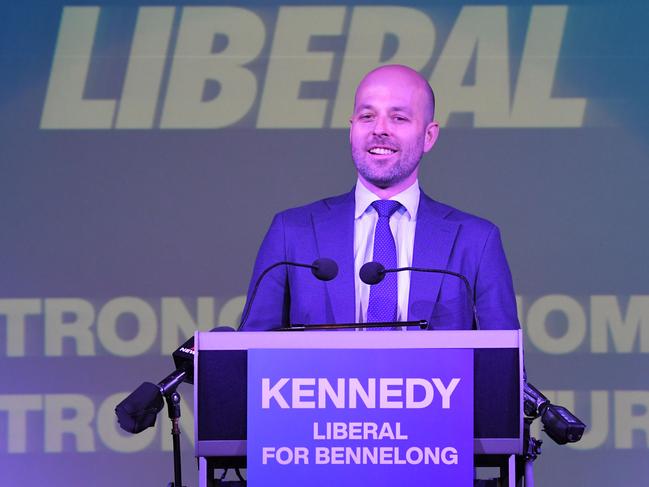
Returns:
<point x="402" y="225"/>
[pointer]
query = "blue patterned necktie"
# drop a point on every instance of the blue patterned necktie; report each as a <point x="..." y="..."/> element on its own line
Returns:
<point x="382" y="306"/>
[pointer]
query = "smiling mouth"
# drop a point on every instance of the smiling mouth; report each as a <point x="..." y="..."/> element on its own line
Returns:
<point x="381" y="151"/>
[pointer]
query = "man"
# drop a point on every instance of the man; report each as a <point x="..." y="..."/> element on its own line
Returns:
<point x="386" y="218"/>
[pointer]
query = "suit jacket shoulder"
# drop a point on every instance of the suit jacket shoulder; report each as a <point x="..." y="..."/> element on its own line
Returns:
<point x="302" y="213"/>
<point x="452" y="214"/>
<point x="451" y="239"/>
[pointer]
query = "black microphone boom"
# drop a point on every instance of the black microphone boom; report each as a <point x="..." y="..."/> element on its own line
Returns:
<point x="374" y="272"/>
<point x="324" y="269"/>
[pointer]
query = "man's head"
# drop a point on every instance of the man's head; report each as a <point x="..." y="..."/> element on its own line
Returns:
<point x="392" y="127"/>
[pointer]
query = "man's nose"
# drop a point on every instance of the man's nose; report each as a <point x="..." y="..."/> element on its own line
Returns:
<point x="381" y="126"/>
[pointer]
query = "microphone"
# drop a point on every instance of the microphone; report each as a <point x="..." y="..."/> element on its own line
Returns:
<point x="140" y="408"/>
<point x="374" y="272"/>
<point x="558" y="422"/>
<point x="323" y="269"/>
<point x="138" y="411"/>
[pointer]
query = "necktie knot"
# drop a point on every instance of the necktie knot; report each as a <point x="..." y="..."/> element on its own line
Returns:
<point x="386" y="208"/>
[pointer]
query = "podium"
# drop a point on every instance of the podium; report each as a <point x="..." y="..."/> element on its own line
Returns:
<point x="221" y="388"/>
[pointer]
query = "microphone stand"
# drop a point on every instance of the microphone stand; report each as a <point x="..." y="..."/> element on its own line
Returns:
<point x="531" y="451"/>
<point x="168" y="389"/>
<point x="173" y="410"/>
<point x="422" y="324"/>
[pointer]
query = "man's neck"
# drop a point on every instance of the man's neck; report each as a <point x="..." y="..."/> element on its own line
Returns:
<point x="387" y="193"/>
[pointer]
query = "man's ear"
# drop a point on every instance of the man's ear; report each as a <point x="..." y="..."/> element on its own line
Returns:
<point x="430" y="137"/>
<point x="351" y="122"/>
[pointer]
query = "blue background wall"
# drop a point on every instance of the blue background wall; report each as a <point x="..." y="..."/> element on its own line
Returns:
<point x="145" y="147"/>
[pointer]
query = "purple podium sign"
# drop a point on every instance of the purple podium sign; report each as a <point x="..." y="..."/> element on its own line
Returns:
<point x="351" y="417"/>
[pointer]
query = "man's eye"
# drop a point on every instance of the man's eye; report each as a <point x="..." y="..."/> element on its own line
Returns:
<point x="400" y="118"/>
<point x="365" y="116"/>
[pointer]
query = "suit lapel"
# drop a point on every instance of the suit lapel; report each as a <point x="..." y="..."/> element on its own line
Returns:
<point x="334" y="231"/>
<point x="434" y="239"/>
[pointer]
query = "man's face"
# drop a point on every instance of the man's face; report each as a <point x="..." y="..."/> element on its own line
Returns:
<point x="389" y="128"/>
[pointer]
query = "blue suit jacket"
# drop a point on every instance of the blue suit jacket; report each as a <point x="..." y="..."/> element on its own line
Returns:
<point x="445" y="238"/>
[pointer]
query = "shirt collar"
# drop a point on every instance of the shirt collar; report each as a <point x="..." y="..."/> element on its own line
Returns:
<point x="409" y="199"/>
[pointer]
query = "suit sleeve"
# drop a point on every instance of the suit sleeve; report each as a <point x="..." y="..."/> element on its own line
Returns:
<point x="494" y="289"/>
<point x="271" y="304"/>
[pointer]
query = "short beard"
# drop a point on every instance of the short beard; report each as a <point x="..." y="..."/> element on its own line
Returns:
<point x="382" y="178"/>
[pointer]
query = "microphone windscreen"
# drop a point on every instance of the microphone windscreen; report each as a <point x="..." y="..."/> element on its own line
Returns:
<point x="372" y="273"/>
<point x="324" y="269"/>
<point x="139" y="410"/>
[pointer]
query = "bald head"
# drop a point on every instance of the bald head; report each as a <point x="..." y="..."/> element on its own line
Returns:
<point x="404" y="77"/>
<point x="391" y="128"/>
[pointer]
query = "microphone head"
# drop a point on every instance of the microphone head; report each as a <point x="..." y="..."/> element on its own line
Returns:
<point x="372" y="273"/>
<point x="139" y="410"/>
<point x="324" y="269"/>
